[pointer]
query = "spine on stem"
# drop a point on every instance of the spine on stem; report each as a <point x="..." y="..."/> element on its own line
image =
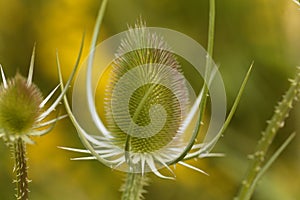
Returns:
<point x="133" y="188"/>
<point x="258" y="160"/>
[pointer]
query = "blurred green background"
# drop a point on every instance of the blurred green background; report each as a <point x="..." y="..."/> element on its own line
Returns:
<point x="264" y="31"/>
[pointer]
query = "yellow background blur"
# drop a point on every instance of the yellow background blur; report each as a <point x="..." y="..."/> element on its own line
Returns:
<point x="264" y="31"/>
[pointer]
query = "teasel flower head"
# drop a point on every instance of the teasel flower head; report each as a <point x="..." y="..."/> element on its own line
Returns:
<point x="22" y="108"/>
<point x="152" y="116"/>
<point x="148" y="123"/>
<point x="146" y="108"/>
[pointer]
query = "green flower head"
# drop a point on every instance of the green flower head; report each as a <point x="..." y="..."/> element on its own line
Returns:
<point x="19" y="106"/>
<point x="22" y="112"/>
<point x="151" y="115"/>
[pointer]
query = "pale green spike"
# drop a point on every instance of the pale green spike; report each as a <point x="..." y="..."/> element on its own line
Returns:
<point x="30" y="73"/>
<point x="3" y="77"/>
<point x="48" y="97"/>
<point x="297" y="2"/>
<point x="209" y="146"/>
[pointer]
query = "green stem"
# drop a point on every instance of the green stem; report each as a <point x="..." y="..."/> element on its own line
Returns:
<point x="133" y="187"/>
<point x="203" y="101"/>
<point x="210" y="49"/>
<point x="276" y="122"/>
<point x="211" y="34"/>
<point x="20" y="169"/>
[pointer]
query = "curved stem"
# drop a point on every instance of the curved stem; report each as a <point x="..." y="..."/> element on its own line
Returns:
<point x="204" y="91"/>
<point x="20" y="169"/>
<point x="211" y="36"/>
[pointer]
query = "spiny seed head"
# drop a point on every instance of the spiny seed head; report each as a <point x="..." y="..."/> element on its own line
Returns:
<point x="145" y="56"/>
<point x="148" y="108"/>
<point x="19" y="106"/>
<point x="22" y="112"/>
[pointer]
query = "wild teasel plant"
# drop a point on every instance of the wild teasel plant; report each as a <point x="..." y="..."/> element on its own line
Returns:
<point x="139" y="135"/>
<point x="23" y="114"/>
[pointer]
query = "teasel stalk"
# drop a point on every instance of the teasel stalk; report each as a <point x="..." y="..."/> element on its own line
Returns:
<point x="20" y="169"/>
<point x="23" y="114"/>
<point x="258" y="162"/>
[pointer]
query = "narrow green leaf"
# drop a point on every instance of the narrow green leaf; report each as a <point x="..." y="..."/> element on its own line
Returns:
<point x="268" y="164"/>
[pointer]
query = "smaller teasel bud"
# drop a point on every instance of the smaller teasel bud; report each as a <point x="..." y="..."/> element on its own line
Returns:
<point x="19" y="107"/>
<point x="22" y="112"/>
<point x="22" y="115"/>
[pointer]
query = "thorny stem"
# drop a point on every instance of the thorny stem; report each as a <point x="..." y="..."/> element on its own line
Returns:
<point x="133" y="186"/>
<point x="20" y="169"/>
<point x="276" y="122"/>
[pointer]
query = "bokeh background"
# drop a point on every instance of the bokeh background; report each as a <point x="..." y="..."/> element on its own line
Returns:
<point x="264" y="31"/>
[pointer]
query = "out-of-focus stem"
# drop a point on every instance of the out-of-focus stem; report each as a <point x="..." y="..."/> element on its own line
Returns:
<point x="20" y="169"/>
<point x="276" y="122"/>
<point x="133" y="187"/>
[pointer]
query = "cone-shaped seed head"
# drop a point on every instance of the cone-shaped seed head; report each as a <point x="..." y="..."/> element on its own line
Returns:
<point x="147" y="96"/>
<point x="19" y="106"/>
